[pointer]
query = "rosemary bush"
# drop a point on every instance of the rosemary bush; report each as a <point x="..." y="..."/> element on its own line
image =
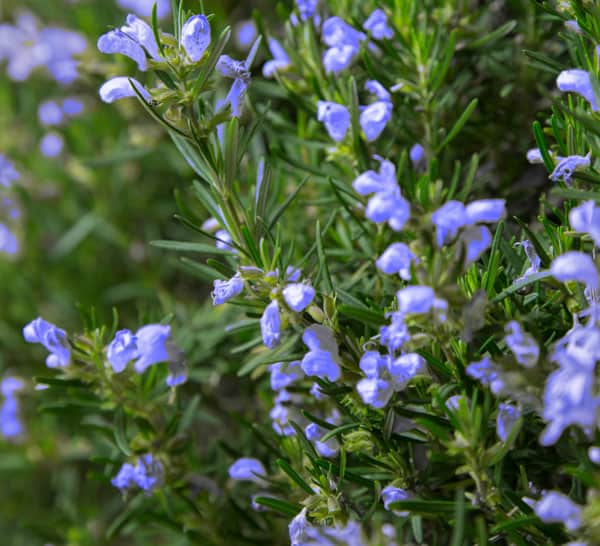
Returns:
<point x="324" y="273"/>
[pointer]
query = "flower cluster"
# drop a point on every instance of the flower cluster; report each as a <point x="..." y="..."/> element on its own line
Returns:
<point x="9" y="212"/>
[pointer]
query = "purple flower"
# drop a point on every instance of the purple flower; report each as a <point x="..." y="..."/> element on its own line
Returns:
<point x="417" y="156"/>
<point x="247" y="469"/>
<point x="575" y="266"/>
<point x="195" y="37"/>
<point x="314" y="433"/>
<point x="586" y="218"/>
<point x="280" y="61"/>
<point x="124" y="478"/>
<point x="344" y="44"/>
<point x="8" y="242"/>
<point x="487" y="373"/>
<point x="375" y="392"/>
<point x="338" y="58"/>
<point x="281" y="415"/>
<point x="152" y="345"/>
<point x="377" y="25"/>
<point x="8" y="173"/>
<point x="594" y="454"/>
<point x="270" y="325"/>
<point x="335" y="117"/>
<point x="10" y="422"/>
<point x="245" y="34"/>
<point x="419" y="299"/>
<point x="508" y="415"/>
<point x="225" y="290"/>
<point x="522" y="345"/>
<point x="555" y="507"/>
<point x="72" y="106"/>
<point x="121" y="350"/>
<point x="322" y="359"/>
<point x="577" y="81"/>
<point x="477" y="239"/>
<point x="120" y="88"/>
<point x="534" y="156"/>
<point x="298" y="296"/>
<point x="146" y="474"/>
<point x="283" y="375"/>
<point x="374" y="87"/>
<point x="52" y="338"/>
<point x="485" y="211"/>
<point x="144" y="7"/>
<point x="567" y="166"/>
<point x="390" y="494"/>
<point x="533" y="258"/>
<point x="178" y="370"/>
<point x="396" y="334"/>
<point x="448" y="219"/>
<point x="306" y="8"/>
<point x="573" y="26"/>
<point x="374" y="118"/>
<point x="396" y="259"/>
<point x="50" y="113"/>
<point x="51" y="144"/>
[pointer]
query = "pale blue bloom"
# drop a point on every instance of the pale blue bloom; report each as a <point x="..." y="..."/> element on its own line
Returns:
<point x="152" y="345"/>
<point x="577" y="81"/>
<point x="121" y="350"/>
<point x="534" y="156"/>
<point x="568" y="165"/>
<point x="554" y="507"/>
<point x="390" y="494"/>
<point x="124" y="478"/>
<point x="336" y="118"/>
<point x="298" y="296"/>
<point x="178" y="371"/>
<point x="338" y="58"/>
<point x="374" y="118"/>
<point x="573" y="26"/>
<point x="322" y="359"/>
<point x="485" y="211"/>
<point x="247" y="469"/>
<point x="8" y="173"/>
<point x="292" y="274"/>
<point x="343" y="41"/>
<point x="245" y="34"/>
<point x="419" y="299"/>
<point x="120" y="88"/>
<point x="417" y="157"/>
<point x="8" y="242"/>
<point x="586" y="218"/>
<point x="594" y="454"/>
<point x="297" y="529"/>
<point x="477" y="239"/>
<point x="397" y="258"/>
<point x="144" y="7"/>
<point x="281" y="415"/>
<point x="225" y="290"/>
<point x="72" y="106"/>
<point x="374" y="87"/>
<point x="575" y="266"/>
<point x="396" y="334"/>
<point x="285" y="374"/>
<point x="534" y="260"/>
<point x="10" y="385"/>
<point x="52" y="144"/>
<point x="11" y="425"/>
<point x="487" y="373"/>
<point x="224" y="240"/>
<point x="52" y="338"/>
<point x="378" y="26"/>
<point x="448" y="219"/>
<point x="453" y="403"/>
<point x="280" y="60"/>
<point x="508" y="415"/>
<point x="195" y="37"/>
<point x="270" y="325"/>
<point x="232" y="68"/>
<point x="50" y="113"/>
<point x="404" y="368"/>
<point x="146" y="474"/>
<point x="522" y="345"/>
<point x="314" y="433"/>
<point x="306" y="8"/>
<point x="375" y="392"/>
<point x="387" y="203"/>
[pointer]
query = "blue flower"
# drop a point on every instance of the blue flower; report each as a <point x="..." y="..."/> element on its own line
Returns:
<point x="120" y="88"/>
<point x="387" y="205"/>
<point x="314" y="433"/>
<point x="306" y="8"/>
<point x="344" y="44"/>
<point x="575" y="266"/>
<point x="50" y="113"/>
<point x="298" y="296"/>
<point x="453" y="403"/>
<point x="396" y="334"/>
<point x="178" y="371"/>
<point x="577" y="81"/>
<point x="8" y="242"/>
<point x="404" y="368"/>
<point x="270" y="325"/>
<point x="374" y="87"/>
<point x="195" y="37"/>
<point x="508" y="415"/>
<point x="477" y="239"/>
<point x="335" y="117"/>
<point x="72" y="106"/>
<point x="247" y="469"/>
<point x="146" y="474"/>
<point x="132" y="40"/>
<point x="152" y="345"/>
<point x="419" y="299"/>
<point x="322" y="359"/>
<point x="487" y="373"/>
<point x="567" y="166"/>
<point x="555" y="507"/>
<point x="281" y="415"/>
<point x="283" y="375"/>
<point x="144" y="7"/>
<point x="298" y="528"/>
<point x="225" y="290"/>
<point x="280" y="61"/>
<point x="448" y="219"/>
<point x="8" y="173"/>
<point x="390" y="494"/>
<point x="533" y="258"/>
<point x="52" y="338"/>
<point x="377" y="25"/>
<point x="485" y="211"/>
<point x="396" y="259"/>
<point x="586" y="218"/>
<point x="534" y="156"/>
<point x="51" y="144"/>
<point x="124" y="478"/>
<point x="338" y="58"/>
<point x="594" y="454"/>
<point x="245" y="34"/>
<point x="417" y="157"/>
<point x="231" y="68"/>
<point x="573" y="26"/>
<point x="375" y="392"/>
<point x="374" y="118"/>
<point x="121" y="350"/>
<point x="10" y="422"/>
<point x="522" y="345"/>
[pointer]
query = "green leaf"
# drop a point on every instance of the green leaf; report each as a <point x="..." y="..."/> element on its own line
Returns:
<point x="285" y="508"/>
<point x="460" y="123"/>
<point x="285" y="466"/>
<point x="185" y="246"/>
<point x="323" y="268"/>
<point x="541" y="142"/>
